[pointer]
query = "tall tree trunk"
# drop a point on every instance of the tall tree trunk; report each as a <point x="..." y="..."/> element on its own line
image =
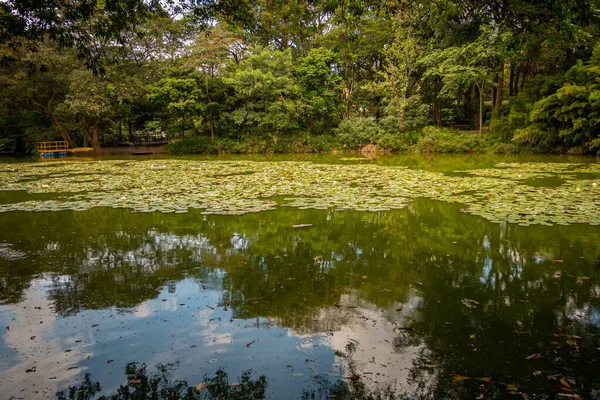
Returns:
<point x="130" y="128"/>
<point x="481" y="88"/>
<point x="511" y="79"/>
<point x="499" y="92"/>
<point x="96" y="135"/>
<point x="85" y="131"/>
<point x="470" y="108"/>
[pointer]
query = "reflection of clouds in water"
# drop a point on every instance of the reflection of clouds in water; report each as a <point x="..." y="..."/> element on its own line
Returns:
<point x="29" y="333"/>
<point x="143" y="310"/>
<point x="207" y="329"/>
<point x="585" y="315"/>
<point x="365" y="339"/>
<point x="8" y="253"/>
<point x="239" y="242"/>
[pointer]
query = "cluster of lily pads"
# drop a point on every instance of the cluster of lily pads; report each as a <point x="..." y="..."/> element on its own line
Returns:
<point x="236" y="187"/>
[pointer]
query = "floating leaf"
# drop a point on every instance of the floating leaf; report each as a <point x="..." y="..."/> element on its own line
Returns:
<point x="201" y="386"/>
<point x="460" y="378"/>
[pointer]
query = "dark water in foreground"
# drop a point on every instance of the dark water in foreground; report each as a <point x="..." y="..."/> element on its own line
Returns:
<point x="410" y="302"/>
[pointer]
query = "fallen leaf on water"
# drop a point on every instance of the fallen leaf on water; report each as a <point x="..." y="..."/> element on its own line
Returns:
<point x="569" y="396"/>
<point x="537" y="373"/>
<point x="460" y="378"/>
<point x="571" y="342"/>
<point x="472" y="336"/>
<point x="301" y="226"/>
<point x="237" y="385"/>
<point x="134" y="381"/>
<point x="534" y="356"/>
<point x="201" y="386"/>
<point x="564" y="382"/>
<point x="487" y="380"/>
<point x="298" y="374"/>
<point x="557" y="261"/>
<point x="364" y="276"/>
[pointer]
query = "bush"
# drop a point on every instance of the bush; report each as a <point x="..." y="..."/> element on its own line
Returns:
<point x="415" y="116"/>
<point x="399" y="142"/>
<point x="355" y="133"/>
<point x="444" y="140"/>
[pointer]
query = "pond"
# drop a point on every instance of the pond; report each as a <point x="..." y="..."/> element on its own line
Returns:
<point x="304" y="277"/>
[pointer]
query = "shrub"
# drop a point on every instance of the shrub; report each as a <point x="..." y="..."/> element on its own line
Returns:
<point x="444" y="140"/>
<point x="354" y="133"/>
<point x="399" y="142"/>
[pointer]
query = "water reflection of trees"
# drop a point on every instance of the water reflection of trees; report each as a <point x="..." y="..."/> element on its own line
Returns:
<point x="530" y="282"/>
<point x="142" y="384"/>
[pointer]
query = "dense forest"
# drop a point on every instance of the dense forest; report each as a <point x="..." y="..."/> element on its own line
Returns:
<point x="303" y="75"/>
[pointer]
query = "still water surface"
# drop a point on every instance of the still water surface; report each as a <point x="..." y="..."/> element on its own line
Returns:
<point x="411" y="302"/>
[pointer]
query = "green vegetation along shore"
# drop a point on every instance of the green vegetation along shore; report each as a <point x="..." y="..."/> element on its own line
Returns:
<point x="455" y="76"/>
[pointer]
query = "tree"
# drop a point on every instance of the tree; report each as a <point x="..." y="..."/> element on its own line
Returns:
<point x="182" y="97"/>
<point x="320" y="87"/>
<point x="462" y="66"/>
<point x="266" y="90"/>
<point x="570" y="116"/>
<point x="209" y="54"/>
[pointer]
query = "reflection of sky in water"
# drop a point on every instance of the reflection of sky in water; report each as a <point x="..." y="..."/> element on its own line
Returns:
<point x="178" y="328"/>
<point x="190" y="330"/>
<point x="312" y="304"/>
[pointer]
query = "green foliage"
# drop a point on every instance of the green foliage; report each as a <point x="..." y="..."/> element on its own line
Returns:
<point x="399" y="142"/>
<point x="320" y="88"/>
<point x="258" y="72"/>
<point x="266" y="91"/>
<point x="297" y="143"/>
<point x="355" y="133"/>
<point x="571" y="116"/>
<point x="436" y="140"/>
